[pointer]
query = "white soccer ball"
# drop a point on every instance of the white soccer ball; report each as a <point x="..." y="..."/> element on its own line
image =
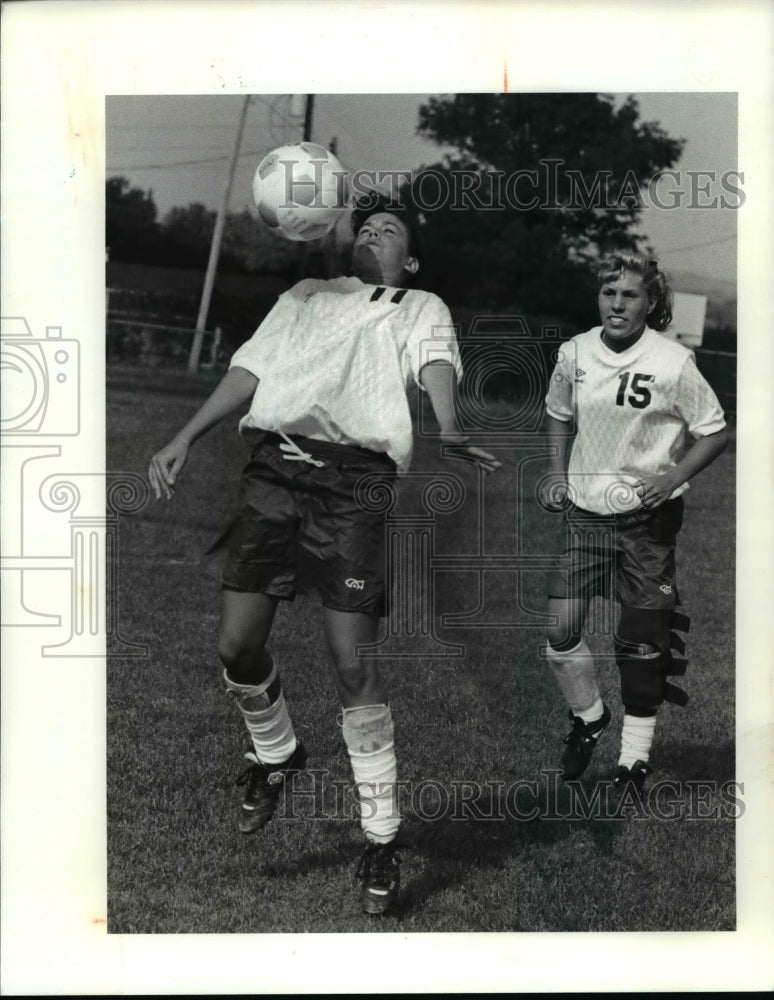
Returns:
<point x="300" y="191"/>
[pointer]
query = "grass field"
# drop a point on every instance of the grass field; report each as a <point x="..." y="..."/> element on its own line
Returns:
<point x="490" y="718"/>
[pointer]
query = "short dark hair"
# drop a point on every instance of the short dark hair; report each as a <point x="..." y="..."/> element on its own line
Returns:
<point x="373" y="203"/>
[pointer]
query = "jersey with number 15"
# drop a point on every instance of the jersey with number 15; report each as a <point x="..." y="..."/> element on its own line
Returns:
<point x="633" y="413"/>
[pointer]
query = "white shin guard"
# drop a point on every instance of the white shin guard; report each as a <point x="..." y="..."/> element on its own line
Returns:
<point x="576" y="676"/>
<point x="268" y="722"/>
<point x="368" y="734"/>
<point x="636" y="739"/>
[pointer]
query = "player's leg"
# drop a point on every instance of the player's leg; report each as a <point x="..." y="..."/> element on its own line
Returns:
<point x="367" y="728"/>
<point x="356" y="676"/>
<point x="245" y="624"/>
<point x="640" y="648"/>
<point x="341" y="552"/>
<point x="585" y="572"/>
<point x="253" y="681"/>
<point x="367" y="724"/>
<point x="568" y="655"/>
<point x="644" y="641"/>
<point x="257" y="570"/>
<point x="572" y="664"/>
<point x="646" y="634"/>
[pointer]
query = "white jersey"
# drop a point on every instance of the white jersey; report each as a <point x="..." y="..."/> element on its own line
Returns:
<point x="633" y="412"/>
<point x="334" y="360"/>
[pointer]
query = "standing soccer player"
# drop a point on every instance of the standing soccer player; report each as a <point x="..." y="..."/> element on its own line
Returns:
<point x="326" y="376"/>
<point x="631" y="421"/>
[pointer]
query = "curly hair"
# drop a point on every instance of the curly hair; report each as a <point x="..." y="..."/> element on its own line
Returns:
<point x="656" y="282"/>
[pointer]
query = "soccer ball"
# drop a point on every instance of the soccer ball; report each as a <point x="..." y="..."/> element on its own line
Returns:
<point x="299" y="191"/>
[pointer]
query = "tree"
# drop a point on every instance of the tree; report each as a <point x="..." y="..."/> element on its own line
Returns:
<point x="246" y="246"/>
<point x="259" y="250"/>
<point x="542" y="183"/>
<point x="131" y="229"/>
<point x="187" y="235"/>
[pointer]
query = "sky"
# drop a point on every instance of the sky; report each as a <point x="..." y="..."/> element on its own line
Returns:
<point x="179" y="147"/>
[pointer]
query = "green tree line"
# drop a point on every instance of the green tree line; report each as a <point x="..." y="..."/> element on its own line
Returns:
<point x="135" y="235"/>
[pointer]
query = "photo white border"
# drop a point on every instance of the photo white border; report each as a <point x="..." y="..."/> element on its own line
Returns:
<point x="59" y="60"/>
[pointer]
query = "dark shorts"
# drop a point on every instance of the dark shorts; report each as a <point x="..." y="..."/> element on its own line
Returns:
<point x="303" y="529"/>
<point x="628" y="557"/>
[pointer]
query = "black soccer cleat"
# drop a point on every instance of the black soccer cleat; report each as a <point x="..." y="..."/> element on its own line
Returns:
<point x="633" y="776"/>
<point x="379" y="872"/>
<point x="580" y="743"/>
<point x="264" y="784"/>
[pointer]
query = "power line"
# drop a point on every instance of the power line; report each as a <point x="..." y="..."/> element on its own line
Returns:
<point x="188" y="163"/>
<point x="285" y="120"/>
<point x="697" y="246"/>
<point x="189" y="147"/>
<point x="194" y="163"/>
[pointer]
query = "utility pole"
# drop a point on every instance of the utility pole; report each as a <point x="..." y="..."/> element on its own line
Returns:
<point x="217" y="236"/>
<point x="303" y="251"/>
<point x="308" y="117"/>
<point x="330" y="244"/>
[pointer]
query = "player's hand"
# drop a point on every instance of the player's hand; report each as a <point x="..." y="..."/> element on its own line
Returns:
<point x="656" y="490"/>
<point x="456" y="446"/>
<point x="165" y="467"/>
<point x="554" y="491"/>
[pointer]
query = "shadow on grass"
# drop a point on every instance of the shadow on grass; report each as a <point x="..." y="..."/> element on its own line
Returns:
<point x="492" y="832"/>
<point x="475" y="849"/>
<point x="696" y="762"/>
<point x="339" y="849"/>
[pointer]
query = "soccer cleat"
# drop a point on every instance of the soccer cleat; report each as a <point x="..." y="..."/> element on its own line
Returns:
<point x="264" y="784"/>
<point x="580" y="743"/>
<point x="379" y="872"/>
<point x="633" y="776"/>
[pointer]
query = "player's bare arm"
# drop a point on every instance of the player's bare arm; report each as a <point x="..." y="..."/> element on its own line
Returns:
<point x="236" y="388"/>
<point x="440" y="380"/>
<point x="656" y="490"/>
<point x="559" y="433"/>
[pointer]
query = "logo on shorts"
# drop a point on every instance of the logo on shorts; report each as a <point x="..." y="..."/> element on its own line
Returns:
<point x="354" y="584"/>
<point x="665" y="588"/>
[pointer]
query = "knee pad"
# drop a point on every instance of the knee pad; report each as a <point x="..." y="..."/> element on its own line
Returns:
<point x="565" y="645"/>
<point x="644" y="652"/>
<point x="575" y="674"/>
<point x="255" y="697"/>
<point x="367" y="729"/>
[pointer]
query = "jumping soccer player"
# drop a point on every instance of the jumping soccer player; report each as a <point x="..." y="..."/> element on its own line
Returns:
<point x="326" y="376"/>
<point x="622" y="405"/>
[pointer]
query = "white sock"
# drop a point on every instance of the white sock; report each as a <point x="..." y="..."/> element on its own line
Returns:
<point x="576" y="676"/>
<point x="592" y="714"/>
<point x="636" y="738"/>
<point x="368" y="734"/>
<point x="268" y="723"/>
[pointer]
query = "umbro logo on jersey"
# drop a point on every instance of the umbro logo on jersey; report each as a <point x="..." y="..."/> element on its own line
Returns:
<point x="665" y="588"/>
<point x="354" y="584"/>
<point x="579" y="373"/>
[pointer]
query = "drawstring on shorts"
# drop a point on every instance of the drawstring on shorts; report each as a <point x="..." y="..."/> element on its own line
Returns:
<point x="295" y="454"/>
